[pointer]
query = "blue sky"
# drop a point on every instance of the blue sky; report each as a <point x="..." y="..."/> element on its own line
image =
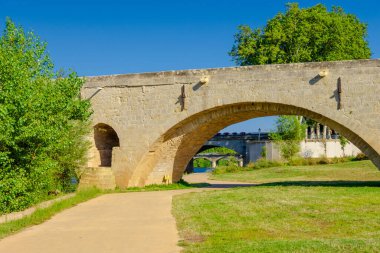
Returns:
<point x="96" y="37"/>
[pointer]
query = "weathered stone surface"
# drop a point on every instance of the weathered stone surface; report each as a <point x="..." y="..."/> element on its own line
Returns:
<point x="163" y="118"/>
<point x="102" y="178"/>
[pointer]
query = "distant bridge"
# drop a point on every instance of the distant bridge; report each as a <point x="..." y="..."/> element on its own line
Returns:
<point x="235" y="141"/>
<point x="214" y="158"/>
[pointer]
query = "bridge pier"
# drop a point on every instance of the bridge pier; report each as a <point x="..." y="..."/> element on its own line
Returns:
<point x="213" y="163"/>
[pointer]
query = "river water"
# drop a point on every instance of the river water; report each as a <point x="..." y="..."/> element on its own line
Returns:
<point x="202" y="170"/>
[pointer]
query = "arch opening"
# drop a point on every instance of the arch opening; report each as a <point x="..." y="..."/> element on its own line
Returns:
<point x="106" y="139"/>
<point x="188" y="136"/>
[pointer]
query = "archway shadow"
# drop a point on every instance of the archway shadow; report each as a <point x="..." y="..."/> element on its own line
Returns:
<point x="337" y="183"/>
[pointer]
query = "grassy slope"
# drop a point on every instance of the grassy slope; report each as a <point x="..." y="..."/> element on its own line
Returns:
<point x="285" y="218"/>
<point x="350" y="171"/>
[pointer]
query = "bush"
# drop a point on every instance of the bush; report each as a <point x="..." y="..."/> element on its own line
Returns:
<point x="43" y="122"/>
<point x="229" y="169"/>
<point x="360" y="157"/>
<point x="251" y="165"/>
<point x="264" y="163"/>
<point x="201" y="163"/>
<point x="324" y="160"/>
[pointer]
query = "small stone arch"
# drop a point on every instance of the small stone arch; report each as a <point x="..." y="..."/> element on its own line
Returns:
<point x="105" y="138"/>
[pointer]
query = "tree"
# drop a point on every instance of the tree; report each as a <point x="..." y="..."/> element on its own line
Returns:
<point x="43" y="122"/>
<point x="219" y="150"/>
<point x="343" y="143"/>
<point x="302" y="35"/>
<point x="288" y="134"/>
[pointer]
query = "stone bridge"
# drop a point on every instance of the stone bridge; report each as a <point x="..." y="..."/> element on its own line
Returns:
<point x="234" y="141"/>
<point x="214" y="158"/>
<point x="148" y="126"/>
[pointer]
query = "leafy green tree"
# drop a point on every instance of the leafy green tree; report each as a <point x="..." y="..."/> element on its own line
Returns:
<point x="288" y="134"/>
<point x="343" y="143"/>
<point x="201" y="163"/>
<point x="302" y="35"/>
<point x="219" y="150"/>
<point x="229" y="161"/>
<point x="263" y="152"/>
<point x="43" y="122"/>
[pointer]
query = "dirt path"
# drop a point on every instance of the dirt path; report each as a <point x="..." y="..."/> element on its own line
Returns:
<point x="121" y="222"/>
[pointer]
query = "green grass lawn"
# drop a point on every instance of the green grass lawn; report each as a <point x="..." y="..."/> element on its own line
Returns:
<point x="283" y="217"/>
<point x="349" y="172"/>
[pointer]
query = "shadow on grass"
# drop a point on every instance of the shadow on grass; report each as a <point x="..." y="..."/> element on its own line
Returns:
<point x="181" y="185"/>
<point x="337" y="183"/>
<point x="227" y="186"/>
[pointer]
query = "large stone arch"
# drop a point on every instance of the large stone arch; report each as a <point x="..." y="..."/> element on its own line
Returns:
<point x="163" y="118"/>
<point x="181" y="142"/>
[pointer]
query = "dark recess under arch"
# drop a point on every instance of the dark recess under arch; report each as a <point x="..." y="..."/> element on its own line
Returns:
<point x="105" y="139"/>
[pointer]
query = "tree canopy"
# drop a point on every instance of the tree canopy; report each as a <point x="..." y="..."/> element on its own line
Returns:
<point x="302" y="35"/>
<point x="43" y="122"/>
<point x="219" y="150"/>
<point x="288" y="134"/>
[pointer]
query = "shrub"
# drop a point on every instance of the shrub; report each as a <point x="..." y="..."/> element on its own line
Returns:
<point x="201" y="163"/>
<point x="264" y="163"/>
<point x="251" y="165"/>
<point x="324" y="160"/>
<point x="43" y="122"/>
<point x="360" y="157"/>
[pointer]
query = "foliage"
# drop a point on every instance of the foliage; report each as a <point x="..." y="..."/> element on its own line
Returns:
<point x="288" y="127"/>
<point x="360" y="157"/>
<point x="289" y="132"/>
<point x="201" y="163"/>
<point x="295" y="161"/>
<point x="343" y="142"/>
<point x="264" y="163"/>
<point x="263" y="152"/>
<point x="229" y="169"/>
<point x="43" y="122"/>
<point x="229" y="161"/>
<point x="219" y="150"/>
<point x="302" y="35"/>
